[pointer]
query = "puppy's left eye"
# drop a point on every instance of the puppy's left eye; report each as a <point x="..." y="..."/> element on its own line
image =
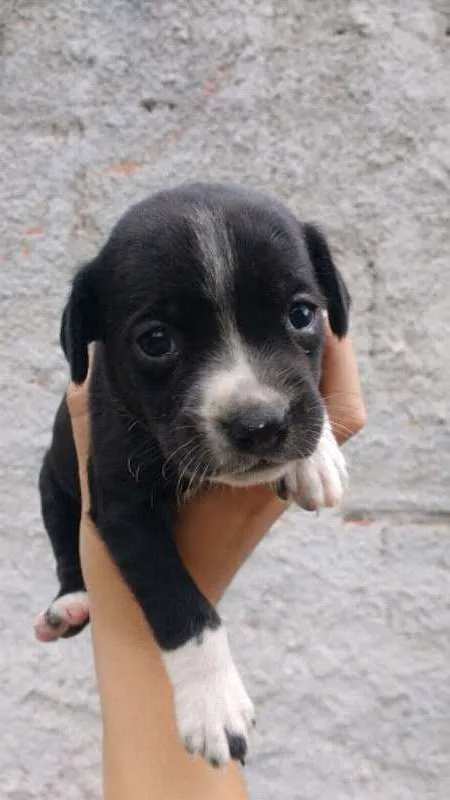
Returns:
<point x="302" y="315"/>
<point x="156" y="341"/>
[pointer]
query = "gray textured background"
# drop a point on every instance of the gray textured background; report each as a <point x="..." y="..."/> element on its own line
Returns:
<point x="342" y="108"/>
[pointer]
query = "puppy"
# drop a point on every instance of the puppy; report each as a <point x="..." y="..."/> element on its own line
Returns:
<point x="208" y="305"/>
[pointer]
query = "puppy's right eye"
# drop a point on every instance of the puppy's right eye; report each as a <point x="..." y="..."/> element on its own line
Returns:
<point x="156" y="341"/>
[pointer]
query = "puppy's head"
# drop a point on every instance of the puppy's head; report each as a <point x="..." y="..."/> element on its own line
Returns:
<point x="210" y="301"/>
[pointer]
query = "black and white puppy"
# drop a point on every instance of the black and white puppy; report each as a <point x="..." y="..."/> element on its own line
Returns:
<point x="208" y="305"/>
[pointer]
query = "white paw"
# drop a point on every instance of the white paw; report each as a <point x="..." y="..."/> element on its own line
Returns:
<point x="68" y="611"/>
<point x="214" y="713"/>
<point x="320" y="480"/>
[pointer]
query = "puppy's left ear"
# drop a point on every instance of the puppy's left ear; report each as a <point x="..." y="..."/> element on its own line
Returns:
<point x="80" y="323"/>
<point x="329" y="279"/>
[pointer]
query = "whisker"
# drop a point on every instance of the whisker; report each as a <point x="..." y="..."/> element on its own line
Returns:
<point x="140" y="455"/>
<point x="177" y="450"/>
<point x="184" y="466"/>
<point x="339" y="426"/>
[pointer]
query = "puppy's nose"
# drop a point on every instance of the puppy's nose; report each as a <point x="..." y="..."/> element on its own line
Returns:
<point x="258" y="430"/>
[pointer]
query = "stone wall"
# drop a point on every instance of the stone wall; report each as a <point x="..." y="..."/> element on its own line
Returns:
<point x="341" y="625"/>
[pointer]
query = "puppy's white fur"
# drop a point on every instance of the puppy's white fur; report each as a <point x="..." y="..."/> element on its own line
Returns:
<point x="320" y="480"/>
<point x="209" y="696"/>
<point x="216" y="250"/>
<point x="232" y="382"/>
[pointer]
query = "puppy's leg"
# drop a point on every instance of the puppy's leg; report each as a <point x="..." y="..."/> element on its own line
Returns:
<point x="213" y="712"/>
<point x="69" y="611"/>
<point x="320" y="480"/>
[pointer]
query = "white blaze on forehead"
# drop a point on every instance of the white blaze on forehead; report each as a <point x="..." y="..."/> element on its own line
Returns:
<point x="232" y="382"/>
<point x="216" y="250"/>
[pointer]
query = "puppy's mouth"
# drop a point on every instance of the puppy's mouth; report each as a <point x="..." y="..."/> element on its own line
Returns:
<point x="261" y="471"/>
<point x="260" y="465"/>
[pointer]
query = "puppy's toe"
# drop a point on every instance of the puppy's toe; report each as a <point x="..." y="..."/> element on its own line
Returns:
<point x="310" y="491"/>
<point x="214" y="713"/>
<point x="333" y="474"/>
<point x="320" y="480"/>
<point x="66" y="616"/>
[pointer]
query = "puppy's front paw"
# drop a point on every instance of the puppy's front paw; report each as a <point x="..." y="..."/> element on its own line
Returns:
<point x="214" y="713"/>
<point x="320" y="480"/>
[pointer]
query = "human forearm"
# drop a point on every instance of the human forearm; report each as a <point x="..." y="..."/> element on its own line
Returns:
<point x="341" y="389"/>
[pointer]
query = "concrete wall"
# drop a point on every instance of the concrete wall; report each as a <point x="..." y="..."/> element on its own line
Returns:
<point x="343" y="110"/>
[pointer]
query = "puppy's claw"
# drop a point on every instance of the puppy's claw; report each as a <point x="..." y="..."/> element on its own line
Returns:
<point x="189" y="745"/>
<point x="53" y="619"/>
<point x="238" y="747"/>
<point x="282" y="489"/>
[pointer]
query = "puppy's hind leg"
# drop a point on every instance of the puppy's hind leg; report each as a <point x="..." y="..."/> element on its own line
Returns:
<point x="68" y="613"/>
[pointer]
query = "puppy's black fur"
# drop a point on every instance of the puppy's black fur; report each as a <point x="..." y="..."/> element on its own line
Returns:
<point x="194" y="284"/>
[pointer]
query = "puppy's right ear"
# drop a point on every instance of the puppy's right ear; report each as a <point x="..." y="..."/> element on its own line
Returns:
<point x="80" y="321"/>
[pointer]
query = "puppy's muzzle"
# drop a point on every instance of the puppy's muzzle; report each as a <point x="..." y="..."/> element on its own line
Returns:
<point x="256" y="431"/>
